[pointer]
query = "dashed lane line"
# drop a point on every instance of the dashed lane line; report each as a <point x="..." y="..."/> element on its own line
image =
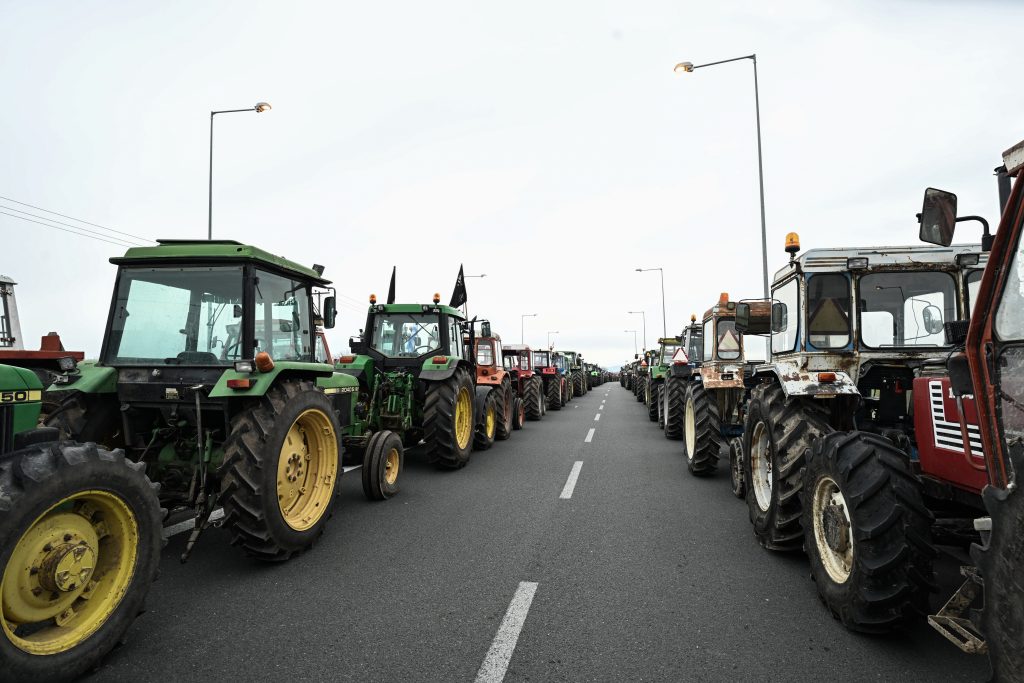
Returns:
<point x="498" y="657"/>
<point x="570" y="483"/>
<point x="590" y="435"/>
<point x="597" y="417"/>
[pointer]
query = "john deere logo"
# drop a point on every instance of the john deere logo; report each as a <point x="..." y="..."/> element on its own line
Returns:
<point x="20" y="396"/>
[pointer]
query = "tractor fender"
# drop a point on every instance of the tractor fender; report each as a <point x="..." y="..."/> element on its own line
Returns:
<point x="265" y="380"/>
<point x="798" y="381"/>
<point x="442" y="372"/>
<point x="480" y="403"/>
<point x="437" y="375"/>
<point x="89" y="378"/>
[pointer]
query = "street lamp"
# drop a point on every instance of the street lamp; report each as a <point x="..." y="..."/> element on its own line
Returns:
<point x="259" y="108"/>
<point x="664" y="326"/>
<point x="635" y="352"/>
<point x="549" y="337"/>
<point x="688" y="67"/>
<point x="645" y="325"/>
<point x="522" y="324"/>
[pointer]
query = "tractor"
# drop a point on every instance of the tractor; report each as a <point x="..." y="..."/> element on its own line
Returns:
<point x="687" y="357"/>
<point x="660" y="362"/>
<point x="207" y="380"/>
<point x="80" y="542"/>
<point x="415" y="372"/>
<point x="528" y="385"/>
<point x="643" y="376"/>
<point x="499" y="405"/>
<point x="563" y="366"/>
<point x="577" y="378"/>
<point x="546" y="364"/>
<point x="853" y="448"/>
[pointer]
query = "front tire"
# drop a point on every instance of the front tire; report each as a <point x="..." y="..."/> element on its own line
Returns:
<point x="487" y="429"/>
<point x="534" y="399"/>
<point x="653" y="396"/>
<point x="737" y="481"/>
<point x="81" y="545"/>
<point x="382" y="465"/>
<point x="280" y="471"/>
<point x="675" y="402"/>
<point x="867" y="532"/>
<point x="777" y="433"/>
<point x="554" y="394"/>
<point x="518" y="413"/>
<point x="702" y="433"/>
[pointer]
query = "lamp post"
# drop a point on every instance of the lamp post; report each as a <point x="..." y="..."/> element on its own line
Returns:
<point x="259" y="108"/>
<point x="465" y="306"/>
<point x="522" y="326"/>
<point x="664" y="326"/>
<point x="644" y="314"/>
<point x="689" y="67"/>
<point x="635" y="352"/>
<point x="549" y="338"/>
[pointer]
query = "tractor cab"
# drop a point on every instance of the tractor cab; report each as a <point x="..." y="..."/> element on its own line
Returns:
<point x="518" y="360"/>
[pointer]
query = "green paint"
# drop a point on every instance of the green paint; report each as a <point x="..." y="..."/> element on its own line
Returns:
<point x="90" y="378"/>
<point x="265" y="380"/>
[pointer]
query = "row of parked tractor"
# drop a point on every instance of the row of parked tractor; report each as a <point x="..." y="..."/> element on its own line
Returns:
<point x="885" y="427"/>
<point x="215" y="401"/>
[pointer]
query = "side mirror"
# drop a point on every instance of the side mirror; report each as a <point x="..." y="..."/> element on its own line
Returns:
<point x="330" y="312"/>
<point x="938" y="217"/>
<point x="959" y="372"/>
<point x="485" y="329"/>
<point x="932" y="318"/>
<point x="780" y="317"/>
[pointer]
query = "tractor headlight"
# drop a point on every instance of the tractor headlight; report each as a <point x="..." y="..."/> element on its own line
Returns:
<point x="67" y="364"/>
<point x="243" y="366"/>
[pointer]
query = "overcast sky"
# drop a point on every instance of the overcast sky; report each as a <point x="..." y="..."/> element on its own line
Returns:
<point x="546" y="144"/>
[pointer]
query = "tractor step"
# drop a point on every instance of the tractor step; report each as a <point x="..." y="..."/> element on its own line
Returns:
<point x="951" y="621"/>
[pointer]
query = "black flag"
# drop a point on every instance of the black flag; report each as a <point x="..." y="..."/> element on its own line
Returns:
<point x="459" y="293"/>
<point x="391" y="289"/>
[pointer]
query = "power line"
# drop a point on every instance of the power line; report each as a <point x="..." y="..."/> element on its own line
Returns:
<point x="78" y="220"/>
<point x="76" y="227"/>
<point x="80" y="234"/>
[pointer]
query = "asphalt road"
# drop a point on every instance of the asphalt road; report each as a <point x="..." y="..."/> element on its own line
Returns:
<point x="644" y="573"/>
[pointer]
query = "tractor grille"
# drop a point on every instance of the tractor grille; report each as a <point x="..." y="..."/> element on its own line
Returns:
<point x="343" y="404"/>
<point x="6" y="428"/>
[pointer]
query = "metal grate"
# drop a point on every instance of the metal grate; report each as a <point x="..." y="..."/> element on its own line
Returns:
<point x="6" y="428"/>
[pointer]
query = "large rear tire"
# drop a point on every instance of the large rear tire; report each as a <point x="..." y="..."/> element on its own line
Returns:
<point x="777" y="434"/>
<point x="867" y="532"/>
<point x="653" y="396"/>
<point x="81" y="546"/>
<point x="674" y="398"/>
<point x="534" y="399"/>
<point x="448" y="420"/>
<point x="506" y="410"/>
<point x="554" y="396"/>
<point x="281" y="468"/>
<point x="382" y="465"/>
<point x="702" y="431"/>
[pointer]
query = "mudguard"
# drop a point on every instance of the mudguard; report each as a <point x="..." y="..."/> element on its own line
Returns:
<point x="265" y="380"/>
<point x="798" y="381"/>
<point x="89" y="378"/>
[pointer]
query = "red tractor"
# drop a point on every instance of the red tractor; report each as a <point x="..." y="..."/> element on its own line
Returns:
<point x="500" y="410"/>
<point x="529" y="386"/>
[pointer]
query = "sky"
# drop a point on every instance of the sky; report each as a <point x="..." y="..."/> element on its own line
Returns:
<point x="548" y="145"/>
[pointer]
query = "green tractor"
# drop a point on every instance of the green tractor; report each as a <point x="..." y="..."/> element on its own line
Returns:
<point x="577" y="373"/>
<point x="660" y="363"/>
<point x="80" y="542"/>
<point x="415" y="374"/>
<point x="207" y="380"/>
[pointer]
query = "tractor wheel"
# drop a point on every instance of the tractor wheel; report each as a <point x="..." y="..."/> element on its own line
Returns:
<point x="674" y="400"/>
<point x="702" y="431"/>
<point x="641" y="391"/>
<point x="487" y="429"/>
<point x="382" y="465"/>
<point x="1002" y="620"/>
<point x="554" y="397"/>
<point x="739" y="487"/>
<point x="281" y="468"/>
<point x="653" y="397"/>
<point x="81" y="546"/>
<point x="448" y="420"/>
<point x="776" y="435"/>
<point x="534" y="399"/>
<point x="866" y="532"/>
<point x="506" y="410"/>
<point x="566" y="391"/>
<point x="661" y="407"/>
<point x="89" y="417"/>
<point x="518" y="413"/>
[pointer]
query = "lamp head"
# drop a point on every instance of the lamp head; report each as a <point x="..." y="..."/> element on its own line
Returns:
<point x="683" y="67"/>
<point x="262" y="107"/>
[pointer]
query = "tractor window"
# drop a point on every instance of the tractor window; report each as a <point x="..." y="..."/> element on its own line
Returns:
<point x="729" y="345"/>
<point x="828" y="310"/>
<point x="454" y="335"/>
<point x="788" y="295"/>
<point x="1009" y="322"/>
<point x="694" y="345"/>
<point x="709" y="339"/>
<point x="406" y="335"/>
<point x="176" y="316"/>
<point x="973" y="283"/>
<point x="667" y="351"/>
<point x="899" y="309"/>
<point x="540" y="359"/>
<point x="282" y="318"/>
<point x="524" y="360"/>
<point x="484" y="353"/>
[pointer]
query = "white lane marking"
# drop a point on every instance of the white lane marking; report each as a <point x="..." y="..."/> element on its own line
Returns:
<point x="590" y="436"/>
<point x="498" y="657"/>
<point x="189" y="524"/>
<point x="570" y="483"/>
<point x="597" y="417"/>
<point x="600" y="407"/>
<point x="349" y="468"/>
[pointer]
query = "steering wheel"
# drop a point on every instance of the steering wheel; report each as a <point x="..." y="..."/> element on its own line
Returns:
<point x="420" y="350"/>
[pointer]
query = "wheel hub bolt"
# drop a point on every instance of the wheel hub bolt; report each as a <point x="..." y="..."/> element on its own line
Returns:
<point x="837" y="529"/>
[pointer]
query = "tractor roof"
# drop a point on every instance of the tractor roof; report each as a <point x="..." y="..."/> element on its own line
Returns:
<point x="515" y="347"/>
<point x="214" y="250"/>
<point x="759" y="308"/>
<point x="416" y="308"/>
<point x="918" y="257"/>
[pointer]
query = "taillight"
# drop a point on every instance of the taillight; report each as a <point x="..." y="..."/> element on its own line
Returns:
<point x="241" y="383"/>
<point x="826" y="377"/>
<point x="440" y="360"/>
<point x="347" y="359"/>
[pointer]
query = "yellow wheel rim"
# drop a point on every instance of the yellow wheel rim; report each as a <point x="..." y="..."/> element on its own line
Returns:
<point x="68" y="573"/>
<point x="491" y="422"/>
<point x="306" y="469"/>
<point x="391" y="465"/>
<point x="463" y="418"/>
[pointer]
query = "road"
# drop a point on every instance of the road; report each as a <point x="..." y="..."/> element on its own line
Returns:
<point x="635" y="571"/>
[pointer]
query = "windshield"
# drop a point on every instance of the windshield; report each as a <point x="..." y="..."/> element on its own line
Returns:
<point x="973" y="283"/>
<point x="729" y="345"/>
<point x="484" y="353"/>
<point x="667" y="351"/>
<point x="176" y="316"/>
<point x="906" y="309"/>
<point x="540" y="359"/>
<point x="406" y="335"/>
